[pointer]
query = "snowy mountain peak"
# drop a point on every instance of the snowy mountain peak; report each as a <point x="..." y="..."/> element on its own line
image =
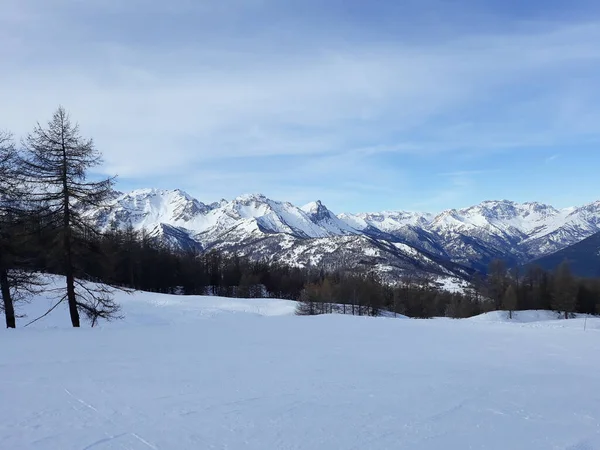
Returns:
<point x="500" y="209"/>
<point x="500" y="205"/>
<point x="517" y="232"/>
<point x="387" y="221"/>
<point x="498" y="213"/>
<point x="247" y="198"/>
<point x="496" y="203"/>
<point x="540" y="208"/>
<point x="593" y="207"/>
<point x="149" y="208"/>
<point x="218" y="204"/>
<point x="317" y="211"/>
<point x="312" y="206"/>
<point x="153" y="192"/>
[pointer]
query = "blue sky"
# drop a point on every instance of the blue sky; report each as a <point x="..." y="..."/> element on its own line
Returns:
<point x="365" y="105"/>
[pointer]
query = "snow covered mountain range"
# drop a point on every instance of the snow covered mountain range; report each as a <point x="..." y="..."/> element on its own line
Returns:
<point x="450" y="244"/>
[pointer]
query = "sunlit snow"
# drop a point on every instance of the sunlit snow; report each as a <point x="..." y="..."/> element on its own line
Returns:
<point x="213" y="373"/>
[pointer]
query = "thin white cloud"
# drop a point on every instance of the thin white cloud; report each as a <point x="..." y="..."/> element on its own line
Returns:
<point x="178" y="107"/>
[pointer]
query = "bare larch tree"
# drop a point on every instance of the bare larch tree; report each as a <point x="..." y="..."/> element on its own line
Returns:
<point x="55" y="166"/>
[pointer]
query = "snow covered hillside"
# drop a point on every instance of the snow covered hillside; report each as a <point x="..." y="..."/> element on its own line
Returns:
<point x="149" y="308"/>
<point x="437" y="244"/>
<point x="540" y="318"/>
<point x="203" y="372"/>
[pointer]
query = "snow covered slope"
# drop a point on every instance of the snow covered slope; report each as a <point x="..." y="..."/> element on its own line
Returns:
<point x="541" y="317"/>
<point x="469" y="237"/>
<point x="149" y="308"/>
<point x="177" y="375"/>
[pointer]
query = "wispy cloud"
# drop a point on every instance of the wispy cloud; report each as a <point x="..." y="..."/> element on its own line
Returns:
<point x="173" y="88"/>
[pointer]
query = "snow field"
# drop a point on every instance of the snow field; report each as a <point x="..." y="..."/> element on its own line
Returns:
<point x="210" y="373"/>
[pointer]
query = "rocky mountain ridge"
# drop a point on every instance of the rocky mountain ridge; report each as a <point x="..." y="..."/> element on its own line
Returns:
<point x="452" y="243"/>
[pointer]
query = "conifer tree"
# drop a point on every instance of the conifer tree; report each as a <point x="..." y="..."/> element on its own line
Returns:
<point x="17" y="279"/>
<point x="564" y="293"/>
<point x="7" y="169"/>
<point x="510" y="300"/>
<point x="497" y="282"/>
<point x="56" y="165"/>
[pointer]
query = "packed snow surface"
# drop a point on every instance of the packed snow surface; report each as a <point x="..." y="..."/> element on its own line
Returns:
<point x="533" y="316"/>
<point x="212" y="373"/>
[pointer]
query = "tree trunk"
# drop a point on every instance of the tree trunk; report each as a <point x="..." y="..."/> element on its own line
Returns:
<point x="566" y="314"/>
<point x="9" y="310"/>
<point x="71" y="298"/>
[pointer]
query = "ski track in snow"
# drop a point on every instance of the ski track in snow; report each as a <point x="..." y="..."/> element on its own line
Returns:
<point x="210" y="373"/>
